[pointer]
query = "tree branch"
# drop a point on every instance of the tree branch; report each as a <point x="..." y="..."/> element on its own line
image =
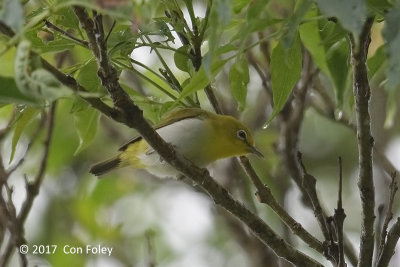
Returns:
<point x="32" y="190"/>
<point x="67" y="34"/>
<point x="265" y="196"/>
<point x="362" y="95"/>
<point x="390" y="246"/>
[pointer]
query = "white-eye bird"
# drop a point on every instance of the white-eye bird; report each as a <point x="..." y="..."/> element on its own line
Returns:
<point x="200" y="136"/>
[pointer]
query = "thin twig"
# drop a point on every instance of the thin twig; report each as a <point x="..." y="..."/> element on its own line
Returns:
<point x="34" y="187"/>
<point x="309" y="185"/>
<point x="110" y="31"/>
<point x="150" y="249"/>
<point x="339" y="217"/>
<point x="265" y="79"/>
<point x="389" y="215"/>
<point x="67" y="34"/>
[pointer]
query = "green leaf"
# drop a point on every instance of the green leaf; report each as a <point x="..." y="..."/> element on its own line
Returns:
<point x="22" y="121"/>
<point x="78" y="104"/>
<point x="86" y="123"/>
<point x="238" y="5"/>
<point x="87" y="76"/>
<point x="329" y="49"/>
<point x="391" y="110"/>
<point x="256" y="10"/>
<point x="219" y="18"/>
<point x="122" y="40"/>
<point x="311" y="38"/>
<point x="239" y="78"/>
<point x="351" y="14"/>
<point x="375" y="62"/>
<point x="12" y="14"/>
<point x="379" y="6"/>
<point x="66" y="17"/>
<point x="200" y="79"/>
<point x="157" y="27"/>
<point x="57" y="45"/>
<point x="302" y="7"/>
<point x="285" y="72"/>
<point x="339" y="67"/>
<point x="9" y="93"/>
<point x="391" y="34"/>
<point x="331" y="33"/>
<point x="181" y="58"/>
<point x="7" y="61"/>
<point x="257" y="20"/>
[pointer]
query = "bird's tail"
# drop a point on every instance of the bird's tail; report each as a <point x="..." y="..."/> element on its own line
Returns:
<point x="103" y="167"/>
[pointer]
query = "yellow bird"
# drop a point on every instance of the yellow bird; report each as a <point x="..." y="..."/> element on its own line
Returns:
<point x="200" y="136"/>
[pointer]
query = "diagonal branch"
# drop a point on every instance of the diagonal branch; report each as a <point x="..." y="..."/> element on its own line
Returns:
<point x="265" y="196"/>
<point x="362" y="93"/>
<point x="385" y="246"/>
<point x="58" y="29"/>
<point x="391" y="242"/>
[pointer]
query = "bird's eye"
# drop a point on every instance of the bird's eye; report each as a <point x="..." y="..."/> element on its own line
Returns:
<point x="242" y="134"/>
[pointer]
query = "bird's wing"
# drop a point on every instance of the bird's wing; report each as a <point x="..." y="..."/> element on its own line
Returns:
<point x="170" y="118"/>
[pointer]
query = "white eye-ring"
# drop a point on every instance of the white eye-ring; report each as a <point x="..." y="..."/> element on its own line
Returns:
<point x="242" y="135"/>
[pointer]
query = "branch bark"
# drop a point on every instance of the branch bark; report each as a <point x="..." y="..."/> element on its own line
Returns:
<point x="265" y="196"/>
<point x="362" y="93"/>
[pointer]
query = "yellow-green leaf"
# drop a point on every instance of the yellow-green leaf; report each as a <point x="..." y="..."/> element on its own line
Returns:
<point x="239" y="78"/>
<point x="22" y="121"/>
<point x="285" y="72"/>
<point x="86" y="123"/>
<point x="200" y="80"/>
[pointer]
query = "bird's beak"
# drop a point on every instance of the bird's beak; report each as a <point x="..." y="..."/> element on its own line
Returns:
<point x="255" y="151"/>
